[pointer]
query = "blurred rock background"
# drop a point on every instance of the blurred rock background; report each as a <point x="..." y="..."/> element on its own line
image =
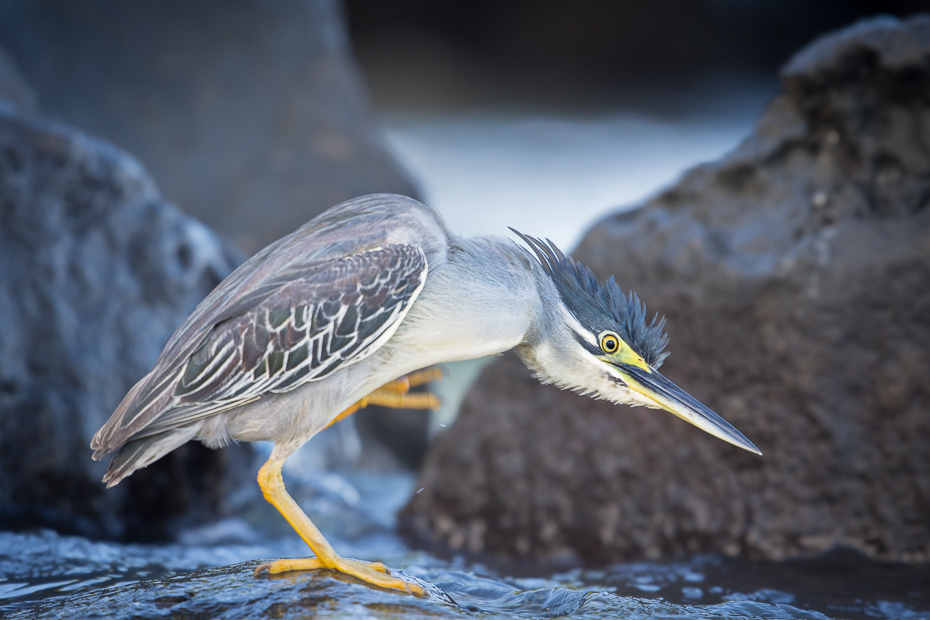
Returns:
<point x="794" y="274"/>
<point x="595" y="55"/>
<point x="98" y="270"/>
<point x="254" y="116"/>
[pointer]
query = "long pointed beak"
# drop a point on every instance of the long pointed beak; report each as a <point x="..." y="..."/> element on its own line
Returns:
<point x="673" y="399"/>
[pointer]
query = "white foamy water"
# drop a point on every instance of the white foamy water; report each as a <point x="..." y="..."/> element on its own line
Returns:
<point x="551" y="176"/>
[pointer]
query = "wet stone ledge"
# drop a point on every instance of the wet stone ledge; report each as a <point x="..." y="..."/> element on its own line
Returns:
<point x="44" y="575"/>
<point x="233" y="592"/>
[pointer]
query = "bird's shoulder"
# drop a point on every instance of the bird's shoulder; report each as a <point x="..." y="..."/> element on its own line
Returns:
<point x="315" y="323"/>
<point x="358" y="266"/>
<point x="305" y="258"/>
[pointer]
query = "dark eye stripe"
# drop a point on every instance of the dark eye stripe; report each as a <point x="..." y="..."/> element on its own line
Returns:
<point x="590" y="348"/>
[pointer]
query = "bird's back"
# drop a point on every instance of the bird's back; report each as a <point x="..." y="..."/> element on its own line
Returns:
<point x="351" y="228"/>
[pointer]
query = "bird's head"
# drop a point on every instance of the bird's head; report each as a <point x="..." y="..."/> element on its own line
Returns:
<point x="596" y="341"/>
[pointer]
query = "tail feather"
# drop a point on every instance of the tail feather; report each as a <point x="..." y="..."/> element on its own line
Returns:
<point x="142" y="452"/>
<point x="136" y="411"/>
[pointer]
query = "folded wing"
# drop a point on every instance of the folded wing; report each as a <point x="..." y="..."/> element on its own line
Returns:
<point x="293" y="327"/>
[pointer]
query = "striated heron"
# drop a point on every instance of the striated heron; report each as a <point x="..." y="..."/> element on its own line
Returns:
<point x="347" y="311"/>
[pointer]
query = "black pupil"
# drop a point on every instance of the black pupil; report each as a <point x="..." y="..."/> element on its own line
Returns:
<point x="610" y="344"/>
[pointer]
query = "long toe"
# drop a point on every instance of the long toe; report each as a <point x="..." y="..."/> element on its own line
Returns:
<point x="372" y="573"/>
<point x="376" y="566"/>
<point x="375" y="573"/>
<point x="283" y="566"/>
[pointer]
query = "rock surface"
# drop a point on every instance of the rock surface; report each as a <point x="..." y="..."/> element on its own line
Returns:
<point x="795" y="276"/>
<point x="250" y="114"/>
<point x="96" y="272"/>
<point x="51" y="577"/>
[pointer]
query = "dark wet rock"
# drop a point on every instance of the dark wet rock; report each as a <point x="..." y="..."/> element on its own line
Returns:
<point x="251" y="115"/>
<point x="44" y="575"/>
<point x="233" y="592"/>
<point x="795" y="275"/>
<point x="96" y="272"/>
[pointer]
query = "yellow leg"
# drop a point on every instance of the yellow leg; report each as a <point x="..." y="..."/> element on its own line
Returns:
<point x="402" y="400"/>
<point x="420" y="377"/>
<point x="374" y="573"/>
<point x="396" y="394"/>
<point x="427" y="375"/>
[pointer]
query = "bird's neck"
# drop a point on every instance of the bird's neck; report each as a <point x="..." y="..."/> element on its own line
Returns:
<point x="479" y="300"/>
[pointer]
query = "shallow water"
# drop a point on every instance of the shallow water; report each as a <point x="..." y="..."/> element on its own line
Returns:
<point x="43" y="575"/>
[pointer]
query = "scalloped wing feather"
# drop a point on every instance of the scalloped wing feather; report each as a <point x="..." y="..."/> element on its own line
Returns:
<point x="297" y="326"/>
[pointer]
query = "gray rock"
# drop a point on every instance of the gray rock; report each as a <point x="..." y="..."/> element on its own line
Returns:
<point x="131" y="582"/>
<point x="250" y="114"/>
<point x="795" y="276"/>
<point x="96" y="272"/>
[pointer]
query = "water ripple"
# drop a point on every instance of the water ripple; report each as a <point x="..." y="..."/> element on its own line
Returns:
<point x="46" y="575"/>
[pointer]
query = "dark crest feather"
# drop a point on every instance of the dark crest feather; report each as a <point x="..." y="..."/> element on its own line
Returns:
<point x="600" y="306"/>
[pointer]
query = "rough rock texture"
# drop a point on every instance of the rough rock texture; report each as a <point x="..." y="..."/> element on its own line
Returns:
<point x="96" y="272"/>
<point x="795" y="275"/>
<point x="250" y="114"/>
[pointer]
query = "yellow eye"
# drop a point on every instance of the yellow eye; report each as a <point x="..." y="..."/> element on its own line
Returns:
<point x="610" y="342"/>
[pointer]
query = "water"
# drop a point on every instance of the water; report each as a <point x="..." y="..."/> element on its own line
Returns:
<point x="45" y="575"/>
